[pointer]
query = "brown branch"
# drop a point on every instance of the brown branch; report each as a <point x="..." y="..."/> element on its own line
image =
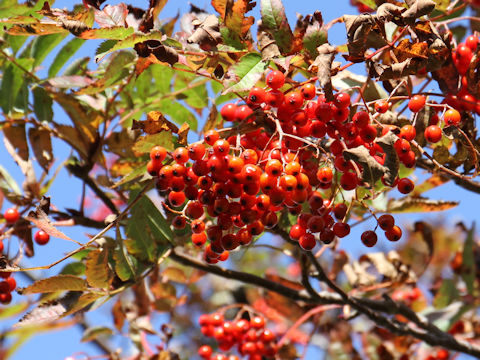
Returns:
<point x="463" y="182"/>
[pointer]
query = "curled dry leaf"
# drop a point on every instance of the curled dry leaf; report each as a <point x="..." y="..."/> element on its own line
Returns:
<point x="183" y="134"/>
<point x="391" y="164"/>
<point x="266" y="43"/>
<point x="417" y="8"/>
<point x="155" y="123"/>
<point x="40" y="218"/>
<point x="419" y="204"/>
<point x="323" y="63"/>
<point x="358" y="29"/>
<point x="372" y="171"/>
<point x="207" y="33"/>
<point x="156" y="52"/>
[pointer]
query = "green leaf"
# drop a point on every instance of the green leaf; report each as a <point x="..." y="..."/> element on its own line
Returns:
<point x="123" y="265"/>
<point x="115" y="72"/>
<point x="42" y="104"/>
<point x="97" y="271"/>
<point x="42" y="45"/>
<point x="178" y="113"/>
<point x="7" y="183"/>
<point x="371" y="3"/>
<point x="315" y="35"/>
<point x="468" y="266"/>
<point x="113" y="33"/>
<point x="56" y="283"/>
<point x="67" y="51"/>
<point x="275" y="21"/>
<point x="441" y="5"/>
<point x="136" y="173"/>
<point x="194" y="90"/>
<point x="78" y="66"/>
<point x="127" y="43"/>
<point x="15" y="42"/>
<point x="145" y="143"/>
<point x="248" y="71"/>
<point x="94" y="332"/>
<point x="76" y="268"/>
<point x="147" y="230"/>
<point x="447" y="293"/>
<point x="12" y="81"/>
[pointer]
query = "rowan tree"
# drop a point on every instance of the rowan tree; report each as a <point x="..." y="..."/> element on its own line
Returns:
<point x="226" y="163"/>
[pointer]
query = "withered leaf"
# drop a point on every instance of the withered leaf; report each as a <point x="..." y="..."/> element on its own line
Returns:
<point x="40" y="218"/>
<point x="419" y="204"/>
<point x="266" y="43"/>
<point x="358" y="28"/>
<point x="183" y="134"/>
<point x="405" y="50"/>
<point x="207" y="33"/>
<point x="372" y="170"/>
<point x="395" y="71"/>
<point x="23" y="231"/>
<point x="212" y="118"/>
<point x="391" y="164"/>
<point x="390" y="12"/>
<point x="417" y="8"/>
<point x="42" y="146"/>
<point x="155" y="123"/>
<point x="323" y="63"/>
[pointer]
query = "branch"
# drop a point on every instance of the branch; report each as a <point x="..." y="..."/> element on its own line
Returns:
<point x="465" y="183"/>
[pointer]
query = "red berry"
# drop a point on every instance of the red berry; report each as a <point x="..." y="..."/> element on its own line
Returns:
<point x="340" y="210"/>
<point x="41" y="237"/>
<point x="243" y="112"/>
<point x="12" y="284"/>
<point x="386" y="222"/>
<point x="349" y="181"/>
<point x="308" y="91"/>
<point x="433" y="134"/>
<point x="405" y="185"/>
<point x="176" y="198"/>
<point x="274" y="98"/>
<point x="394" y="234"/>
<point x="275" y="79"/>
<point x="179" y="222"/>
<point x="452" y="117"/>
<point x="342" y="100"/>
<point x="341" y="229"/>
<point x="361" y="119"/>
<point x="408" y="132"/>
<point x="228" y="112"/>
<point x="369" y="238"/>
<point x="11" y="215"/>
<point x="205" y="351"/>
<point x="416" y="103"/>
<point x="158" y="153"/>
<point x="307" y="241"/>
<point x="472" y="42"/>
<point x="327" y="236"/>
<point x="381" y="106"/>
<point x="211" y="136"/>
<point x="256" y="96"/>
<point x="294" y="100"/>
<point x="325" y="174"/>
<point x="6" y="298"/>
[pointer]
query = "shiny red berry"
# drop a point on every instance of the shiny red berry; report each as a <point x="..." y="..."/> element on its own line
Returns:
<point x="41" y="237"/>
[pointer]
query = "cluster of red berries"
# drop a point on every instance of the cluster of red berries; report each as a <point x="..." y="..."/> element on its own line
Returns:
<point x="251" y="338"/>
<point x="242" y="182"/>
<point x="7" y="285"/>
<point x="11" y="216"/>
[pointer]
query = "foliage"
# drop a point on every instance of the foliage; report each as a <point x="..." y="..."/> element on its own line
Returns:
<point x="352" y="139"/>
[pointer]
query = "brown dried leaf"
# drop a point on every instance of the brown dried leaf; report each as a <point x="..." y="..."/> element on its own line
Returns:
<point x="97" y="271"/>
<point x="447" y="77"/>
<point x="390" y="12"/>
<point x="420" y="205"/>
<point x="118" y="315"/>
<point x="323" y="63"/>
<point x="431" y="183"/>
<point x="23" y="231"/>
<point x="417" y="8"/>
<point x="212" y="118"/>
<point x="391" y="164"/>
<point x="154" y="124"/>
<point x="40" y="218"/>
<point x="207" y="33"/>
<point x="372" y="171"/>
<point x="183" y="134"/>
<point x="42" y="146"/>
<point x="267" y="44"/>
<point x="358" y="28"/>
<point x="405" y="50"/>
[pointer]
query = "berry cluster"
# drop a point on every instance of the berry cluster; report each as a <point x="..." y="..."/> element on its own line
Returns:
<point x="7" y="285"/>
<point x="244" y="181"/>
<point x="11" y="216"/>
<point x="251" y="338"/>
